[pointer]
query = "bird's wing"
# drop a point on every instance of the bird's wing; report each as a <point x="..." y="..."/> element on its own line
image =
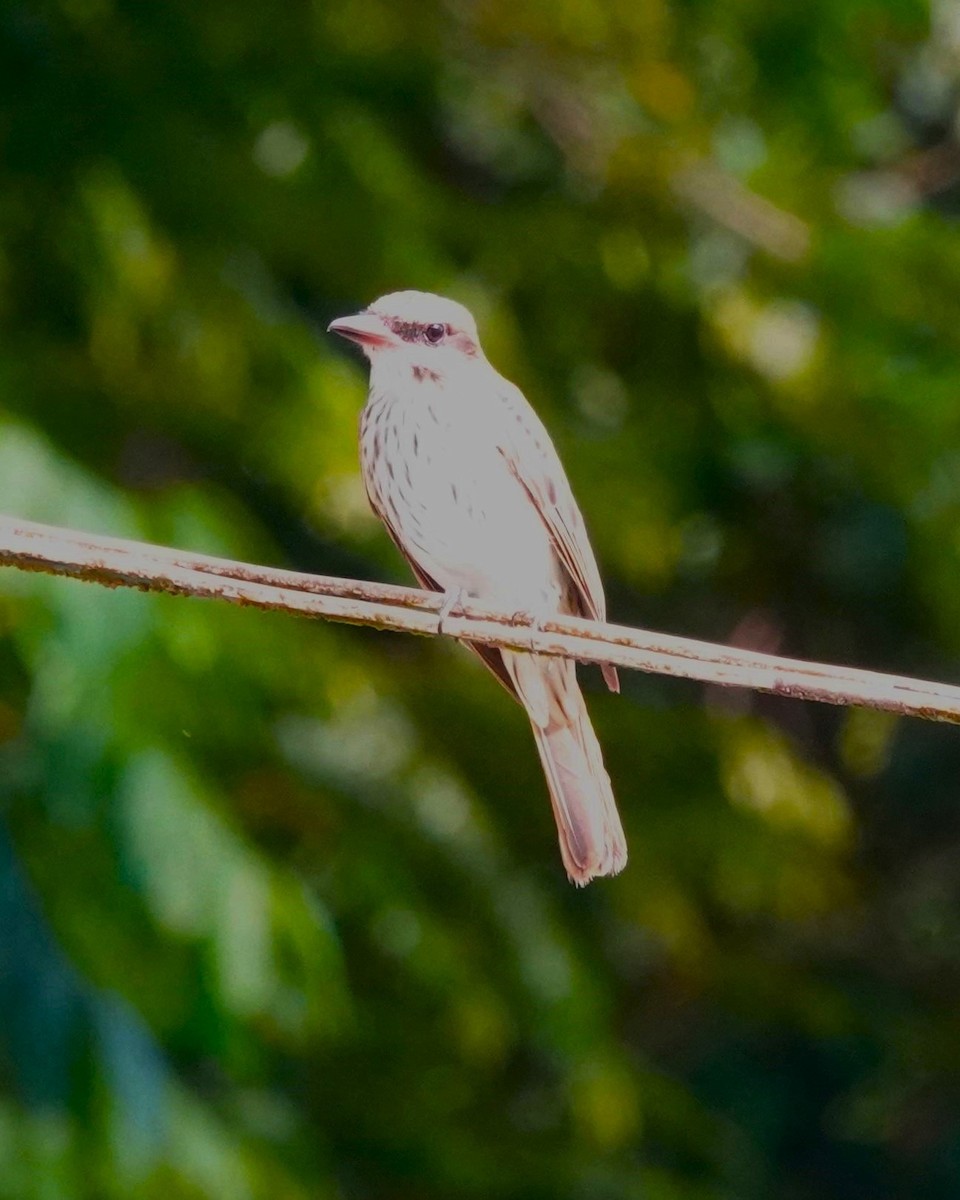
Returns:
<point x="531" y="457"/>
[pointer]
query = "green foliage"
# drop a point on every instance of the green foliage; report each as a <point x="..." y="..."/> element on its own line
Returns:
<point x="281" y="910"/>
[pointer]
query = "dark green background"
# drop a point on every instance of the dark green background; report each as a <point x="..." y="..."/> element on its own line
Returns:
<point x="281" y="908"/>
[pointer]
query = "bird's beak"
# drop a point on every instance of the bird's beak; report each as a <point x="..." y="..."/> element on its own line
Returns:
<point x="366" y="328"/>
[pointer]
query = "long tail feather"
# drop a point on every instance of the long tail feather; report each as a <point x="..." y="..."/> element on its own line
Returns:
<point x="591" y="836"/>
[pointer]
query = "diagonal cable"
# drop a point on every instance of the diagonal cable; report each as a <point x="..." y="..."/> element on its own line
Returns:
<point x="114" y="562"/>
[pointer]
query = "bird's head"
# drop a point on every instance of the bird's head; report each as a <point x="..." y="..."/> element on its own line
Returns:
<point x="429" y="334"/>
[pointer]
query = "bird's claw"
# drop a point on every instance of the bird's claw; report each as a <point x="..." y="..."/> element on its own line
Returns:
<point x="452" y="599"/>
<point x="531" y="621"/>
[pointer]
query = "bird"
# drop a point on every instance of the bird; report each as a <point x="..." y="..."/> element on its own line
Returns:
<point x="464" y="476"/>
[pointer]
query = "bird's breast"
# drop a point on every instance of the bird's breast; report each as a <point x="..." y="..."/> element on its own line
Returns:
<point x="434" y="470"/>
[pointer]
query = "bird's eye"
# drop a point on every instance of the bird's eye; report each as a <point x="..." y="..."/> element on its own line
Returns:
<point x="434" y="334"/>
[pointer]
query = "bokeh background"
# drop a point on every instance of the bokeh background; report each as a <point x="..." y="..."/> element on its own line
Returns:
<point x="281" y="908"/>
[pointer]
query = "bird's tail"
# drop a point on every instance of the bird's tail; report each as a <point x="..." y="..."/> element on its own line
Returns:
<point x="591" y="836"/>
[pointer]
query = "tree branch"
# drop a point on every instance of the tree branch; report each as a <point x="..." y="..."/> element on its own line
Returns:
<point x="113" y="562"/>
<point x="723" y="198"/>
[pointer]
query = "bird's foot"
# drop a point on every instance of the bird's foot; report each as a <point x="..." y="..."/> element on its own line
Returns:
<point x="531" y="621"/>
<point x="452" y="599"/>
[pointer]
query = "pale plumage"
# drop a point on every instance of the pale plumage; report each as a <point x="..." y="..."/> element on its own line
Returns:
<point x="463" y="474"/>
